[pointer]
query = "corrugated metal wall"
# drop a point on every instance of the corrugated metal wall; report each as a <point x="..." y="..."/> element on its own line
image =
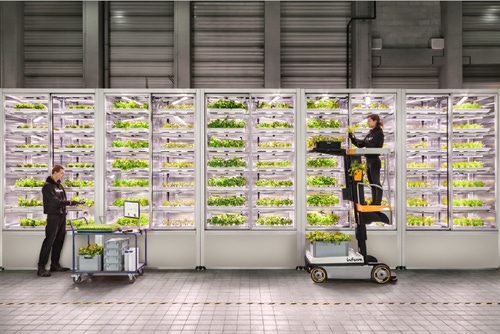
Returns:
<point x="141" y="44"/>
<point x="313" y="44"/>
<point x="481" y="29"/>
<point x="227" y="44"/>
<point x="53" y="45"/>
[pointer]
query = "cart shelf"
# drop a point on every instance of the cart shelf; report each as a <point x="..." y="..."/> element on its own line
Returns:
<point x="139" y="270"/>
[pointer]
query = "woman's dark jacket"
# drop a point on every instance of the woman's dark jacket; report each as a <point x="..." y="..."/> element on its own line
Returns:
<point x="374" y="139"/>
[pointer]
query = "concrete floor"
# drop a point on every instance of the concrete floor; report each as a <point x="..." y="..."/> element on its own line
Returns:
<point x="250" y="301"/>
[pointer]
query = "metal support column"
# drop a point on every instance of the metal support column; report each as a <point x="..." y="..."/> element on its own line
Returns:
<point x="12" y="35"/>
<point x="361" y="60"/>
<point x="451" y="72"/>
<point x="182" y="44"/>
<point x="272" y="44"/>
<point x="93" y="44"/>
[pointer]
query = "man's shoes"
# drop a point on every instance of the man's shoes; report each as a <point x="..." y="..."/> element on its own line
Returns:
<point x="57" y="267"/>
<point x="42" y="272"/>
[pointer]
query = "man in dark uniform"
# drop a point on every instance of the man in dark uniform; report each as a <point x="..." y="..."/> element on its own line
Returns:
<point x="54" y="206"/>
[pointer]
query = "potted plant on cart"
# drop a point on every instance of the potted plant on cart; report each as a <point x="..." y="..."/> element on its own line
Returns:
<point x="357" y="169"/>
<point x="90" y="258"/>
<point x="326" y="244"/>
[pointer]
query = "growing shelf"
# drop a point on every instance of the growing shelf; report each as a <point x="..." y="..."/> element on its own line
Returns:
<point x="173" y="161"/>
<point x="449" y="152"/>
<point x="44" y="130"/>
<point x="327" y="118"/>
<point x="128" y="124"/>
<point x="250" y="156"/>
<point x="472" y="180"/>
<point x="74" y="140"/>
<point x="427" y="132"/>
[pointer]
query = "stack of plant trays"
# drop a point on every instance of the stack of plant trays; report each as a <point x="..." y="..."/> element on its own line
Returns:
<point x="114" y="250"/>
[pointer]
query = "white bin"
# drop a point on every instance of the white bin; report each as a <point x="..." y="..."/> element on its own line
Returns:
<point x="131" y="264"/>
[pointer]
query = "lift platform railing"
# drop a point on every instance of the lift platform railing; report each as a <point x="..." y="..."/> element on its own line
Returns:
<point x="384" y="153"/>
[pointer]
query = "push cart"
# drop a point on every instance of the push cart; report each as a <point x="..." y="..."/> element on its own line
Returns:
<point x="131" y="273"/>
<point x="121" y="265"/>
<point x="356" y="264"/>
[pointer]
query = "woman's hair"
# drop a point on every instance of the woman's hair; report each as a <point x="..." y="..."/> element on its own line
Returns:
<point x="376" y="118"/>
<point x="57" y="169"/>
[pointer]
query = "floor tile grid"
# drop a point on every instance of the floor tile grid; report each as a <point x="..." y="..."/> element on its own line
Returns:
<point x="250" y="301"/>
<point x="238" y="318"/>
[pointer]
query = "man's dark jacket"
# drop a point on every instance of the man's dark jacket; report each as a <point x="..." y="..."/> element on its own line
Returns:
<point x="54" y="197"/>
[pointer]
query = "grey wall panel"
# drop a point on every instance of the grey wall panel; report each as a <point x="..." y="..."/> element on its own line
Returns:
<point x="481" y="8"/>
<point x="228" y="82"/>
<point x="141" y="69"/>
<point x="132" y="56"/>
<point x="36" y="54"/>
<point x="406" y="77"/>
<point x="227" y="44"/>
<point x="56" y="38"/>
<point x="137" y="38"/>
<point x="130" y="21"/>
<point x="327" y="82"/>
<point x="481" y="24"/>
<point x="298" y="55"/>
<point x="246" y="69"/>
<point x="407" y="82"/>
<point x="230" y="22"/>
<point x="228" y="9"/>
<point x="406" y="25"/>
<point x="481" y="38"/>
<point x="46" y="69"/>
<point x="53" y="44"/>
<point x="54" y="23"/>
<point x="319" y="9"/>
<point x="481" y="76"/>
<point x="49" y="8"/>
<point x="481" y="29"/>
<point x="53" y="82"/>
<point x="216" y="39"/>
<point x="237" y="54"/>
<point x="140" y="82"/>
<point x="141" y="44"/>
<point x="313" y="44"/>
<point x="321" y="38"/>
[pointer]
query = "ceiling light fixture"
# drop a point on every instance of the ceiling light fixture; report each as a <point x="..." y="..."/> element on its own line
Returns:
<point x="462" y="100"/>
<point x="420" y="100"/>
<point x="179" y="100"/>
<point x="276" y="98"/>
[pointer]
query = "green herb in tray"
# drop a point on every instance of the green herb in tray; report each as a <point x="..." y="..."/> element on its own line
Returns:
<point x="125" y="221"/>
<point x="91" y="250"/>
<point x="217" y="162"/>
<point x="226" y="104"/>
<point x="274" y="221"/>
<point x="97" y="227"/>
<point x="226" y="123"/>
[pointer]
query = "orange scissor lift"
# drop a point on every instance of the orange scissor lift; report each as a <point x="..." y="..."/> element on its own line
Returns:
<point x="356" y="264"/>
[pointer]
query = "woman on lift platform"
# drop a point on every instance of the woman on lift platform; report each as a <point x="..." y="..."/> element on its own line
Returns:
<point x="374" y="139"/>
